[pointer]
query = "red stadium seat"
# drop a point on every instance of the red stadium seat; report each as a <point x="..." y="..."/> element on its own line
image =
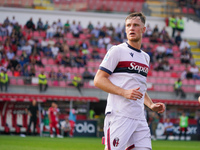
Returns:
<point x="51" y="61"/>
<point x="62" y="83"/>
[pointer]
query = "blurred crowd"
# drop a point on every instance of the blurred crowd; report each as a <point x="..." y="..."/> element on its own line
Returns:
<point x="23" y="47"/>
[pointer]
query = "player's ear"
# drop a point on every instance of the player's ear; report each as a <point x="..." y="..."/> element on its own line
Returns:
<point x="144" y="29"/>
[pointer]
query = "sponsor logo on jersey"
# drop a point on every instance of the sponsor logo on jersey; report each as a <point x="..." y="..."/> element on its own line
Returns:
<point x="132" y="67"/>
<point x="139" y="68"/>
<point x="116" y="142"/>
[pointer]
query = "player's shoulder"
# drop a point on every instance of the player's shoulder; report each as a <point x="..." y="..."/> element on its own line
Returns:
<point x="117" y="47"/>
<point x="144" y="53"/>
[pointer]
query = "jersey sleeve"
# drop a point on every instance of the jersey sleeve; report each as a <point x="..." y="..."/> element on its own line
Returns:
<point x="110" y="60"/>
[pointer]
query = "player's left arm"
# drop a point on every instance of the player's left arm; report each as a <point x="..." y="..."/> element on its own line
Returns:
<point x="157" y="107"/>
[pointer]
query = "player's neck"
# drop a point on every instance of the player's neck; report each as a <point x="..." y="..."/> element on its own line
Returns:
<point x="136" y="45"/>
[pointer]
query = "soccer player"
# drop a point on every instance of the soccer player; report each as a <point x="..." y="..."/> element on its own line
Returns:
<point x="33" y="113"/>
<point x="123" y="74"/>
<point x="53" y="120"/>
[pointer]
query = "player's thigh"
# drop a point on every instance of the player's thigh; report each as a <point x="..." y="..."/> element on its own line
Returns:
<point x="117" y="132"/>
<point x="142" y="136"/>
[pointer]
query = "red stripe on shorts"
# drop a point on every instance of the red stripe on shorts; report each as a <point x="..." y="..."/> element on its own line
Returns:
<point x="130" y="147"/>
<point x="108" y="139"/>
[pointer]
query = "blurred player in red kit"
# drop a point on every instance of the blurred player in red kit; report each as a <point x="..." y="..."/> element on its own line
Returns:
<point x="53" y="120"/>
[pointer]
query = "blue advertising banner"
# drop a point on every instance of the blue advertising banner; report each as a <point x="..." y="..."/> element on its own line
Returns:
<point x="87" y="128"/>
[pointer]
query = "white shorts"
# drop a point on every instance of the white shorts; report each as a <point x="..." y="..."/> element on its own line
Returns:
<point x="126" y="133"/>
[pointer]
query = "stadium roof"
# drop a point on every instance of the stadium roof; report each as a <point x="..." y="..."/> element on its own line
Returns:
<point x="43" y="98"/>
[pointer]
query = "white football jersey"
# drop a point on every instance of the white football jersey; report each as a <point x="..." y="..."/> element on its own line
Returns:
<point x="128" y="69"/>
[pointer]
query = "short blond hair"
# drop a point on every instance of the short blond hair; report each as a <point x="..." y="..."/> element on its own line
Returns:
<point x="137" y="14"/>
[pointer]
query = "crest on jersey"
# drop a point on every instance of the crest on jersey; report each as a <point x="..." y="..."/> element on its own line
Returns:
<point x="116" y="142"/>
<point x="131" y="54"/>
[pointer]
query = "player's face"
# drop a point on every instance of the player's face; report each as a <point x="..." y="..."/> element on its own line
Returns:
<point x="134" y="29"/>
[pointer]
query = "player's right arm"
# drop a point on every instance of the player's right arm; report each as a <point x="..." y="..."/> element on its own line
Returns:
<point x="102" y="81"/>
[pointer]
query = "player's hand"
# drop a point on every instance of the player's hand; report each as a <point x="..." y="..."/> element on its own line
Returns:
<point x="133" y="94"/>
<point x="158" y="107"/>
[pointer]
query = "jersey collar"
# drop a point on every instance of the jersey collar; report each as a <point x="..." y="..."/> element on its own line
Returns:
<point x="137" y="50"/>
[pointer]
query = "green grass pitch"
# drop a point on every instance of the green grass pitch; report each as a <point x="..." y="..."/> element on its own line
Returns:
<point x="46" y="143"/>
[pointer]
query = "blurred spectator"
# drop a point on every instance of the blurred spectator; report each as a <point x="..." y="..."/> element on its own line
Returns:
<point x="59" y="24"/>
<point x="184" y="44"/>
<point x="178" y="39"/>
<point x="55" y="50"/>
<point x="40" y="24"/>
<point x="60" y="75"/>
<point x="25" y="71"/>
<point x="67" y="26"/>
<point x="59" y="32"/>
<point x="98" y="26"/>
<point x="180" y="24"/>
<point x="95" y="53"/>
<point x="161" y="49"/>
<point x="9" y="29"/>
<point x="32" y="71"/>
<point x="10" y="54"/>
<point x="3" y="31"/>
<point x="178" y="89"/>
<point x="67" y="75"/>
<point x="168" y="128"/>
<point x="52" y="75"/>
<point x="13" y="64"/>
<point x="4" y="79"/>
<point x="66" y="60"/>
<point x="42" y="82"/>
<point x="87" y="74"/>
<point x="13" y="21"/>
<point x="49" y="32"/>
<point x="79" y="60"/>
<point x="36" y="48"/>
<point x="47" y="51"/>
<point x="27" y="48"/>
<point x="173" y="24"/>
<point x="183" y="124"/>
<point x="90" y="26"/>
<point x="166" y="65"/>
<point x="76" y="47"/>
<point x="154" y="38"/>
<point x="167" y="39"/>
<point x="186" y="74"/>
<point x="185" y="57"/>
<point x="195" y="71"/>
<point x="46" y="26"/>
<point x="30" y="24"/>
<point x="74" y="29"/>
<point x="6" y="21"/>
<point x="36" y="59"/>
<point x="169" y="51"/>
<point x="77" y="82"/>
<point x="149" y="31"/>
<point x="66" y="127"/>
<point x="44" y="43"/>
<point x="65" y="47"/>
<point x="84" y="44"/>
<point x="79" y="27"/>
<point x="51" y="41"/>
